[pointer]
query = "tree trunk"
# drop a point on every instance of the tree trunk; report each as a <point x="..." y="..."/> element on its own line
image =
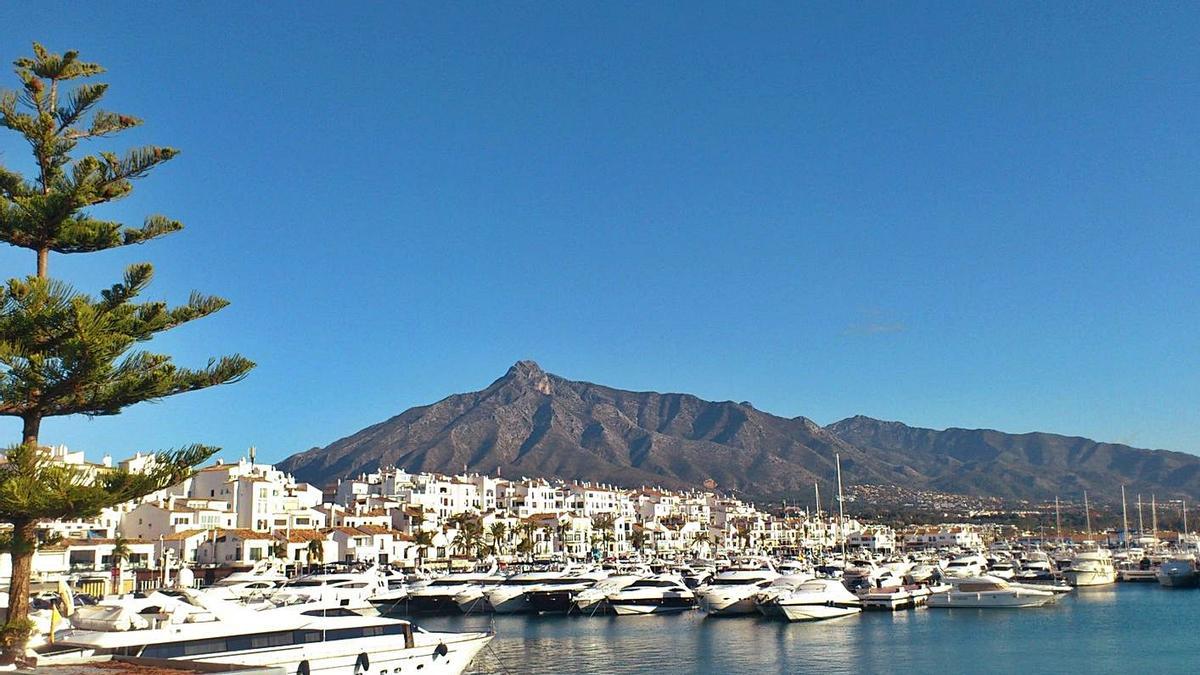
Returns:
<point x="43" y="262"/>
<point x="16" y="629"/>
<point x="30" y="429"/>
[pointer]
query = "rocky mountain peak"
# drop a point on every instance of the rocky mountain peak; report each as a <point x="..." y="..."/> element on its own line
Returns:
<point x="529" y="374"/>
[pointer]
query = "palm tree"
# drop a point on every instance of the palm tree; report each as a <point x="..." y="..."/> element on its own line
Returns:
<point x="120" y="553"/>
<point x="316" y="550"/>
<point x="422" y="539"/>
<point x="279" y="550"/>
<point x="605" y="524"/>
<point x="499" y="533"/>
<point x="637" y="539"/>
<point x="699" y="539"/>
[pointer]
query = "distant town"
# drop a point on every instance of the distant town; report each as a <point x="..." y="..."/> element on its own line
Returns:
<point x="235" y="514"/>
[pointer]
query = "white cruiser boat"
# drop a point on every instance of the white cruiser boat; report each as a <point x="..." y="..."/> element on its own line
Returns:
<point x="345" y="589"/>
<point x="965" y="567"/>
<point x="460" y="591"/>
<point x="659" y="594"/>
<point x="510" y="596"/>
<point x="260" y="580"/>
<point x="558" y="596"/>
<point x="817" y="600"/>
<point x="1178" y="573"/>
<point x="595" y="599"/>
<point x="733" y="591"/>
<point x="989" y="592"/>
<point x="189" y="626"/>
<point x="764" y="600"/>
<point x="1093" y="566"/>
<point x="894" y="598"/>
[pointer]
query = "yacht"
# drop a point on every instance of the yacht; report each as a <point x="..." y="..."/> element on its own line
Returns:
<point x="1002" y="568"/>
<point x="659" y="594"/>
<point x="862" y="574"/>
<point x="894" y="598"/>
<point x="188" y="625"/>
<point x="764" y="600"/>
<point x="460" y="591"/>
<point x="1178" y="573"/>
<point x="510" y="597"/>
<point x="558" y="596"/>
<point x="965" y="567"/>
<point x="1092" y="566"/>
<point x="595" y="598"/>
<point x="988" y="591"/>
<point x="345" y="589"/>
<point x="260" y="580"/>
<point x="816" y="600"/>
<point x="732" y="591"/>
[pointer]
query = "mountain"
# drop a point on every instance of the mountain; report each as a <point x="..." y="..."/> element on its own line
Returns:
<point x="1033" y="465"/>
<point x="536" y="424"/>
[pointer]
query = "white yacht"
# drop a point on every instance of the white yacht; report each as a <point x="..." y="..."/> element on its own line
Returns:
<point x="659" y="594"/>
<point x="987" y="592"/>
<point x="816" y="600"/>
<point x="260" y="580"/>
<point x="510" y="597"/>
<point x="965" y="567"/>
<point x="764" y="600"/>
<point x="353" y="590"/>
<point x="595" y="599"/>
<point x="862" y="573"/>
<point x="732" y="591"/>
<point x="1178" y="573"/>
<point x="189" y="626"/>
<point x="460" y="591"/>
<point x="894" y="598"/>
<point x="1092" y="566"/>
<point x="558" y="596"/>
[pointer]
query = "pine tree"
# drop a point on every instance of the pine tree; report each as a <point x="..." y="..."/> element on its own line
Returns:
<point x="63" y="352"/>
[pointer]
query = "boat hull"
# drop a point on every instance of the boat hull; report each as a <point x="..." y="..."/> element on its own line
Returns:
<point x="817" y="612"/>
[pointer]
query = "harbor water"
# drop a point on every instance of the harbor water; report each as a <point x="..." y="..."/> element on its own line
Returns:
<point x="1120" y="628"/>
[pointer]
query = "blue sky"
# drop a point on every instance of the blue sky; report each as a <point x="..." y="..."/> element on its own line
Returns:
<point x="979" y="216"/>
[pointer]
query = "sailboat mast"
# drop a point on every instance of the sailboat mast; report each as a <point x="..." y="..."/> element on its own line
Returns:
<point x="817" y="490"/>
<point x="1057" y="521"/>
<point x="1141" y="525"/>
<point x="1185" y="527"/>
<point x="1154" y="517"/>
<point x="841" y="506"/>
<point x="1087" y="515"/>
<point x="1124" y="519"/>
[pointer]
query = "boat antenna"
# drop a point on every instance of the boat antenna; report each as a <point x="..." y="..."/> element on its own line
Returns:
<point x="1124" y="519"/>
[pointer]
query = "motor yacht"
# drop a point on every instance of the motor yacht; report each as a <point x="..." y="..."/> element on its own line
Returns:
<point x="764" y="600"/>
<point x="558" y="596"/>
<point x="894" y="598"/>
<point x="817" y="600"/>
<point x="595" y="599"/>
<point x="732" y="592"/>
<point x="1091" y="566"/>
<point x="659" y="594"/>
<point x="965" y="567"/>
<point x="510" y="597"/>
<point x="1178" y="573"/>
<point x="988" y="592"/>
<point x="353" y="590"/>
<point x="456" y="592"/>
<point x="260" y="580"/>
<point x="191" y="626"/>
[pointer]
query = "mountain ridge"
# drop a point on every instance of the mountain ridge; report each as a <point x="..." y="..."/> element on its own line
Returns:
<point x="532" y="423"/>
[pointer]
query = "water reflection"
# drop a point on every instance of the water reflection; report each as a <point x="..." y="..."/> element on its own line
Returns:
<point x="1093" y="629"/>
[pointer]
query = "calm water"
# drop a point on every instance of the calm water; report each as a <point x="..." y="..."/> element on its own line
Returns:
<point x="1125" y="628"/>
